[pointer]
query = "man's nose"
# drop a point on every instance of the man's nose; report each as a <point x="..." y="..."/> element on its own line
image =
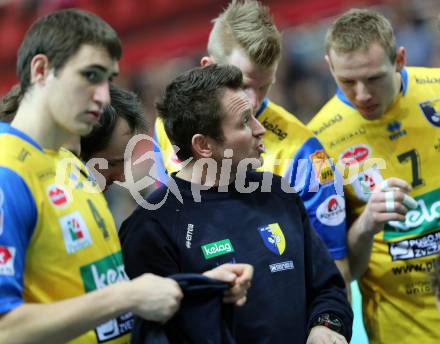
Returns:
<point x="362" y="92"/>
<point x="102" y="94"/>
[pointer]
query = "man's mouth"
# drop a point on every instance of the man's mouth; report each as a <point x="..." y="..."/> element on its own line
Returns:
<point x="261" y="149"/>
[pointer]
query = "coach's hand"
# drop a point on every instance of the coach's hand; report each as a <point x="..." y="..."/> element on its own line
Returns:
<point x="239" y="276"/>
<point x="323" y="335"/>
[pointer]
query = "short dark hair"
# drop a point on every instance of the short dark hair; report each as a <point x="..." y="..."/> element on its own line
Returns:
<point x="59" y="35"/>
<point x="191" y="104"/>
<point x="9" y="104"/>
<point x="357" y="29"/>
<point x="124" y="104"/>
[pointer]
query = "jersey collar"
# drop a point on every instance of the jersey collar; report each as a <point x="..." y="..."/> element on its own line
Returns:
<point x="5" y="128"/>
<point x="404" y="74"/>
<point x="262" y="107"/>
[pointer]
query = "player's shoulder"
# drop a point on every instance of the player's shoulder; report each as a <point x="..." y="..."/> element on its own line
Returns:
<point x="421" y="71"/>
<point x="273" y="110"/>
<point x="419" y="80"/>
<point x="276" y="119"/>
<point x="336" y="117"/>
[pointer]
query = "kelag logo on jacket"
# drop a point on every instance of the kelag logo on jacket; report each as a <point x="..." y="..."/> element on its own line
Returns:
<point x="99" y="274"/>
<point x="217" y="248"/>
<point x="273" y="238"/>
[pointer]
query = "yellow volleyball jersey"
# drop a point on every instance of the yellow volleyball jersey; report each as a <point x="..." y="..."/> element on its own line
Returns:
<point x="291" y="151"/>
<point x="73" y="248"/>
<point x="398" y="298"/>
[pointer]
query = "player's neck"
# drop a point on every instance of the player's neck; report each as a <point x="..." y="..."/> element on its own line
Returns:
<point x="33" y="119"/>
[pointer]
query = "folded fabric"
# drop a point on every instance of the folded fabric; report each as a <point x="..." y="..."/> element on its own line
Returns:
<point x="202" y="317"/>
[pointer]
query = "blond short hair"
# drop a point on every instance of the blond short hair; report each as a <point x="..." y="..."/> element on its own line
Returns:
<point x="357" y="29"/>
<point x="248" y="25"/>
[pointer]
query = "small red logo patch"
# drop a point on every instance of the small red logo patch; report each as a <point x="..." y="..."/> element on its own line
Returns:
<point x="355" y="154"/>
<point x="57" y="196"/>
<point x="5" y="255"/>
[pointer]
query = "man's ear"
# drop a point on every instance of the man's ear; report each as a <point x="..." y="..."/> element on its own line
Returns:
<point x="329" y="63"/>
<point x="201" y="146"/>
<point x="207" y="60"/>
<point x="39" y="69"/>
<point x="400" y="59"/>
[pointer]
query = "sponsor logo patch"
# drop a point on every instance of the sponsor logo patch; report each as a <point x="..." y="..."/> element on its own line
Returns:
<point x="189" y="234"/>
<point x="423" y="219"/>
<point x="335" y="119"/>
<point x="2" y="215"/>
<point x="431" y="111"/>
<point x="283" y="266"/>
<point x="331" y="212"/>
<point x="274" y="129"/>
<point x="58" y="196"/>
<point x="342" y="139"/>
<point x="7" y="257"/>
<point x="423" y="246"/>
<point x="365" y="183"/>
<point x="217" y="248"/>
<point x="421" y="287"/>
<point x="23" y="155"/>
<point x="395" y="130"/>
<point x="49" y="173"/>
<point x="322" y="167"/>
<point x="355" y="154"/>
<point x="273" y="238"/>
<point x="98" y="275"/>
<point x="75" y="232"/>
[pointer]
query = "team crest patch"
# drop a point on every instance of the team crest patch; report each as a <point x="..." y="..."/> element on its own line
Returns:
<point x="58" y="196"/>
<point x="365" y="183"/>
<point x="322" y="167"/>
<point x="331" y="212"/>
<point x="7" y="257"/>
<point x="273" y="238"/>
<point x="2" y="216"/>
<point x="355" y="154"/>
<point x="75" y="232"/>
<point x="431" y="111"/>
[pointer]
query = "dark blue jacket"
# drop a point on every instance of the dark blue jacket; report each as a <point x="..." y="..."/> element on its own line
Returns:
<point x="295" y="280"/>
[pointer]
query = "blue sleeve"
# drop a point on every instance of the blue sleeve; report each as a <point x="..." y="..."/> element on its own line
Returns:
<point x="325" y="288"/>
<point x="161" y="173"/>
<point x="319" y="185"/>
<point x="18" y="217"/>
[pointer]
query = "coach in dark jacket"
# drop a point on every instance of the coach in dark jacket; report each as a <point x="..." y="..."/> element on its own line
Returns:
<point x="215" y="211"/>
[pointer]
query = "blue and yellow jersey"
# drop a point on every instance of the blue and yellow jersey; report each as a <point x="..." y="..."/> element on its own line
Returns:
<point x="57" y="236"/>
<point x="294" y="152"/>
<point x="398" y="298"/>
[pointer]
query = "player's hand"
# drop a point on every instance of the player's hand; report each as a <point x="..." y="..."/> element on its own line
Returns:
<point x="155" y="298"/>
<point x="323" y="335"/>
<point x="388" y="202"/>
<point x="239" y="276"/>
